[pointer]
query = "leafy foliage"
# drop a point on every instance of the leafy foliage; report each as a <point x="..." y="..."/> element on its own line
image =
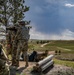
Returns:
<point x="11" y="11"/>
<point x="18" y="10"/>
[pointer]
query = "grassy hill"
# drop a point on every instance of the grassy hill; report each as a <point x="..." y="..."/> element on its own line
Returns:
<point x="65" y="46"/>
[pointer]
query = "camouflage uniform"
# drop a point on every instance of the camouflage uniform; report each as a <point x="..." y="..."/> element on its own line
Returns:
<point x="14" y="49"/>
<point x="22" y="38"/>
<point x="19" y="40"/>
<point x="9" y="44"/>
<point x="4" y="69"/>
<point x="13" y="41"/>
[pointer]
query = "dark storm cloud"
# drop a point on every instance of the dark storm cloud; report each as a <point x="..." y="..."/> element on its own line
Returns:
<point x="51" y="16"/>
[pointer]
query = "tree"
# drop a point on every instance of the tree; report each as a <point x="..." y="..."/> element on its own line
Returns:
<point x="11" y="11"/>
<point x="19" y="10"/>
<point x="5" y="12"/>
<point x="5" y="15"/>
<point x="37" y="42"/>
<point x="56" y="52"/>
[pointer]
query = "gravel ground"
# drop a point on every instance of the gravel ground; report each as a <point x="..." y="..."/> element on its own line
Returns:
<point x="60" y="70"/>
<point x="56" y="70"/>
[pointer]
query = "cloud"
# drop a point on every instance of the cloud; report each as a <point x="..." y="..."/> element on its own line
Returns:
<point x="69" y="5"/>
<point x="34" y="34"/>
<point x="52" y="19"/>
<point x="65" y="35"/>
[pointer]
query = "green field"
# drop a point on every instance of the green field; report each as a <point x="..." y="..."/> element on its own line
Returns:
<point x="65" y="46"/>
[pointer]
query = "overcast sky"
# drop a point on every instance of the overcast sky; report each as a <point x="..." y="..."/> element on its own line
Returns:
<point x="51" y="19"/>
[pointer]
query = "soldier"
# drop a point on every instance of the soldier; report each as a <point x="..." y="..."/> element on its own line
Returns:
<point x="22" y="38"/>
<point x="13" y="48"/>
<point x="19" y="39"/>
<point x="4" y="69"/>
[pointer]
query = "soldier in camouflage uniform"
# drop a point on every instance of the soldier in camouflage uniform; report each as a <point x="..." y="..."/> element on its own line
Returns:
<point x="4" y="69"/>
<point x="13" y="41"/>
<point x="22" y="38"/>
<point x="19" y="36"/>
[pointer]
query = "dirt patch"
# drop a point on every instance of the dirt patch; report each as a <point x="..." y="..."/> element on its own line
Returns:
<point x="44" y="44"/>
<point x="51" y="52"/>
<point x="53" y="71"/>
<point x="60" y="70"/>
